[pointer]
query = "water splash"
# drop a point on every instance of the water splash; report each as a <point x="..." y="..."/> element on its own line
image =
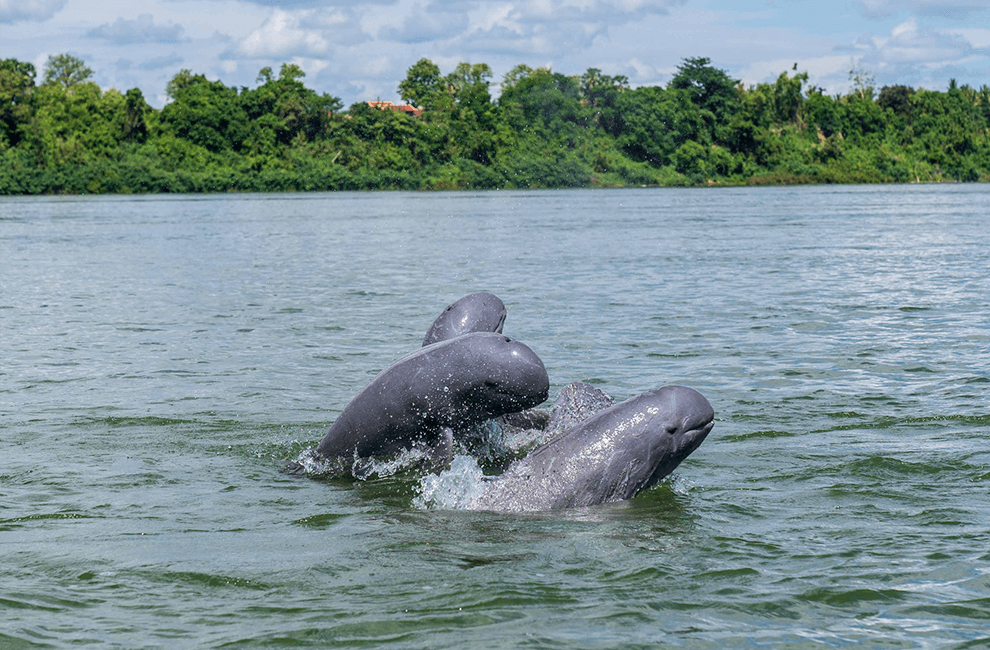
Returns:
<point x="313" y="465"/>
<point x="452" y="489"/>
<point x="365" y="468"/>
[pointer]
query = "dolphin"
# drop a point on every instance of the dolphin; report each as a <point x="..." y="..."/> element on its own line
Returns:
<point x="452" y="384"/>
<point x="476" y="312"/>
<point x="611" y="456"/>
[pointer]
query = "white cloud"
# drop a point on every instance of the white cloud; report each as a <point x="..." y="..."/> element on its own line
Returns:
<point x="167" y="61"/>
<point x="376" y="65"/>
<point x="360" y="49"/>
<point x="824" y="67"/>
<point x="640" y="70"/>
<point x="911" y="54"/>
<point x="282" y="35"/>
<point x="12" y="11"/>
<point x="978" y="37"/>
<point x="429" y="23"/>
<point x="309" y="33"/>
<point x="910" y="45"/>
<point x="556" y="27"/>
<point x="490" y="15"/>
<point x="310" y="66"/>
<point x="142" y="30"/>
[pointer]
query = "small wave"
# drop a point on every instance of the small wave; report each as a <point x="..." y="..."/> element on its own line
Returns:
<point x="309" y="463"/>
<point x="852" y="597"/>
<point x="883" y="468"/>
<point x="677" y="484"/>
<point x="313" y="465"/>
<point x="365" y="468"/>
<point x="452" y="489"/>
<point x="762" y="433"/>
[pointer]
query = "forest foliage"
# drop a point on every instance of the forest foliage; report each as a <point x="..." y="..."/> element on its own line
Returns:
<point x="63" y="134"/>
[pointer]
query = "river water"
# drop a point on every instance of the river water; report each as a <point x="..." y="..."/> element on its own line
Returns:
<point x="164" y="355"/>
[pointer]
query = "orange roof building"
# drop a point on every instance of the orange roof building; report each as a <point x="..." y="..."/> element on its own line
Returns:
<point x="408" y="109"/>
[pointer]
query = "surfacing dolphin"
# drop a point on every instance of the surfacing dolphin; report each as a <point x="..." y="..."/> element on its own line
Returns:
<point x="611" y="456"/>
<point x="476" y="312"/>
<point x="452" y="384"/>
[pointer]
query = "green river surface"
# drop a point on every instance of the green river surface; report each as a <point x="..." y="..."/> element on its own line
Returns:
<point x="163" y="356"/>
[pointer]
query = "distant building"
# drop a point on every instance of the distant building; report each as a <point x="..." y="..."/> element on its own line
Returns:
<point x="408" y="109"/>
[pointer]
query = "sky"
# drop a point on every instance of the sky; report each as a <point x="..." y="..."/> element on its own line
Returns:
<point x="361" y="49"/>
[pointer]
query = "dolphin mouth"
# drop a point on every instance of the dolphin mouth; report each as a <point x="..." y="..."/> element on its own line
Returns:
<point x="520" y="402"/>
<point x="698" y="435"/>
<point x="689" y="441"/>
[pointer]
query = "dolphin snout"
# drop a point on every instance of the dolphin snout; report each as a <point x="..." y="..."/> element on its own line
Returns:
<point x="696" y="409"/>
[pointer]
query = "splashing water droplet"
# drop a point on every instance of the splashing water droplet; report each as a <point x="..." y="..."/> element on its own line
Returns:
<point x="455" y="488"/>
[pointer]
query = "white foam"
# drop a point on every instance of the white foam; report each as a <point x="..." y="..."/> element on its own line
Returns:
<point x="314" y="465"/>
<point x="452" y="489"/>
<point x="365" y="468"/>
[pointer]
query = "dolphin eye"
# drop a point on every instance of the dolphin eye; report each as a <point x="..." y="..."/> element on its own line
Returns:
<point x="671" y="429"/>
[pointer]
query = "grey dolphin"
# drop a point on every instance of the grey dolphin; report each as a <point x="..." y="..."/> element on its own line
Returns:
<point x="455" y="383"/>
<point x="476" y="312"/>
<point x="609" y="457"/>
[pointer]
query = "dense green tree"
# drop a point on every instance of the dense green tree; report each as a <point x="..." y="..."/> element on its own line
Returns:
<point x="547" y="129"/>
<point x="136" y="114"/>
<point x="77" y="125"/>
<point x="472" y="120"/>
<point x="691" y="159"/>
<point x="948" y="130"/>
<point x="381" y="139"/>
<point x="423" y="85"/>
<point x="861" y="118"/>
<point x="896" y="98"/>
<point x="206" y="113"/>
<point x="708" y="88"/>
<point x="601" y="93"/>
<point x="656" y="122"/>
<point x="757" y="105"/>
<point x="547" y="101"/>
<point x="282" y="110"/>
<point x="469" y="84"/>
<point x="821" y="113"/>
<point x="981" y="99"/>
<point x="66" y="71"/>
<point x="16" y="87"/>
<point x="788" y="100"/>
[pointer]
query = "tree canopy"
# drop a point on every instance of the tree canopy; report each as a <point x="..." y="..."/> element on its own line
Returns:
<point x="66" y="71"/>
<point x="546" y="129"/>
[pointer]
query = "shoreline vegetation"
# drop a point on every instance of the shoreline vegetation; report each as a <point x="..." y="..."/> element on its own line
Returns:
<point x="63" y="135"/>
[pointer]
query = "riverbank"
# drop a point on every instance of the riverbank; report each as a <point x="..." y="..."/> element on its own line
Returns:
<point x="545" y="130"/>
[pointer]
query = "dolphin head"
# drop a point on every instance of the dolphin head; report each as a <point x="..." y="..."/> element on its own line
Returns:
<point x="476" y="312"/>
<point x="659" y="429"/>
<point x="611" y="456"/>
<point x="685" y="419"/>
<point x="511" y="376"/>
